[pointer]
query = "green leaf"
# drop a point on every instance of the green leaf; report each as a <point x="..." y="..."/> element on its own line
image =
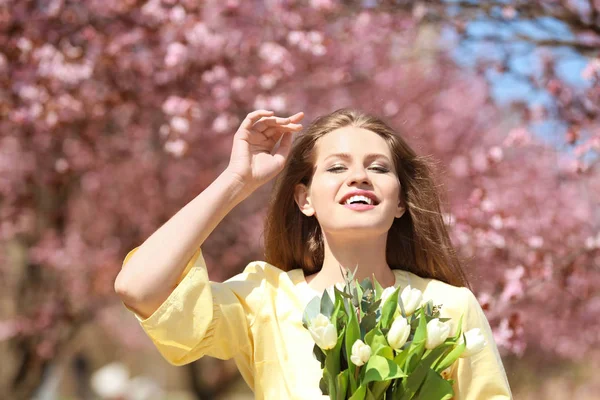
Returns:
<point x="332" y="360"/>
<point x="435" y="387"/>
<point x="348" y="309"/>
<point x="417" y="345"/>
<point x="356" y="295"/>
<point x="341" y="293"/>
<point x="366" y="303"/>
<point x="400" y="359"/>
<point x="374" y="306"/>
<point x="386" y="351"/>
<point x="376" y="340"/>
<point x="451" y="357"/>
<point x="352" y="335"/>
<point x="359" y="394"/>
<point x="429" y="307"/>
<point x="326" y="306"/>
<point x="342" y="385"/>
<point x="324" y="383"/>
<point x="319" y="355"/>
<point x="369" y="395"/>
<point x="348" y="276"/>
<point x="367" y="324"/>
<point x="379" y="388"/>
<point x="415" y="379"/>
<point x="388" y="310"/>
<point x="338" y="317"/>
<point x="421" y="331"/>
<point x="311" y="311"/>
<point x="366" y="284"/>
<point x="379" y="368"/>
<point x="378" y="288"/>
<point x="459" y="328"/>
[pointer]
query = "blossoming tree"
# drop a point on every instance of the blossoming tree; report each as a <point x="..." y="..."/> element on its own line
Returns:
<point x="115" y="114"/>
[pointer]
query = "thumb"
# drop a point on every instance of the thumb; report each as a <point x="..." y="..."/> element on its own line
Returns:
<point x="284" y="147"/>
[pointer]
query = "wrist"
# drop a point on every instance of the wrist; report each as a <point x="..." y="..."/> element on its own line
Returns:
<point x="238" y="187"/>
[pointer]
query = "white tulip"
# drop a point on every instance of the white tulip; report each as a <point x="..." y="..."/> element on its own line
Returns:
<point x="475" y="342"/>
<point x="444" y="313"/>
<point x="437" y="333"/>
<point x="387" y="292"/>
<point x="398" y="333"/>
<point x="323" y="332"/>
<point x="361" y="353"/>
<point x="411" y="299"/>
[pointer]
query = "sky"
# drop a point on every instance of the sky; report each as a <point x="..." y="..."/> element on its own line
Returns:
<point x="523" y="58"/>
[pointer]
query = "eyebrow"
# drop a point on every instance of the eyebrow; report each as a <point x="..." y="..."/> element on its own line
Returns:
<point x="348" y="156"/>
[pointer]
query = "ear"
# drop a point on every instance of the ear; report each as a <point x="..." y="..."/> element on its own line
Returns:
<point x="401" y="209"/>
<point x="302" y="197"/>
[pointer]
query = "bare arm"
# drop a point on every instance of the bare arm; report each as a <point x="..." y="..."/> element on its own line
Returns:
<point x="150" y="276"/>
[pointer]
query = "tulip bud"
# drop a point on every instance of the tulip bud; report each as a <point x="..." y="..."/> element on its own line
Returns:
<point x="411" y="299"/>
<point x="437" y="333"/>
<point x="475" y="342"/>
<point x="387" y="292"/>
<point x="323" y="332"/>
<point x="361" y="353"/>
<point x="398" y="333"/>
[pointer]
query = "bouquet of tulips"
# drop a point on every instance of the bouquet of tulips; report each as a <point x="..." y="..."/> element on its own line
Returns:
<point x="384" y="344"/>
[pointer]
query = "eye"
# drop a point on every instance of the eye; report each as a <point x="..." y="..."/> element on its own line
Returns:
<point x="335" y="169"/>
<point x="381" y="169"/>
<point x="377" y="168"/>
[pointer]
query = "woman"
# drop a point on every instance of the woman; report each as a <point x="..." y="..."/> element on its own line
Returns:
<point x="351" y="192"/>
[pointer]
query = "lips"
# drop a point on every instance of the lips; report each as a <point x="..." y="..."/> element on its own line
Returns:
<point x="365" y="193"/>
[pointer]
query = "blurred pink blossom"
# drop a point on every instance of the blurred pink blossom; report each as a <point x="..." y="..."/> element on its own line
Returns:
<point x="177" y="54"/>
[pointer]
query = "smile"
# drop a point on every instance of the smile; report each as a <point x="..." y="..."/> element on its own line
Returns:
<point x="359" y="206"/>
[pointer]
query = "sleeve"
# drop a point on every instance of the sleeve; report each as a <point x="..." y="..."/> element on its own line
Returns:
<point x="481" y="376"/>
<point x="201" y="317"/>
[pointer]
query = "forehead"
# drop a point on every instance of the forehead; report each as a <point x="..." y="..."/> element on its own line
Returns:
<point x="353" y="140"/>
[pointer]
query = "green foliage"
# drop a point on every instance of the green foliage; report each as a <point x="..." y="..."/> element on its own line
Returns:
<point x="380" y="368"/>
<point x="388" y="310"/>
<point x="412" y="372"/>
<point x="342" y="385"/>
<point x="435" y="387"/>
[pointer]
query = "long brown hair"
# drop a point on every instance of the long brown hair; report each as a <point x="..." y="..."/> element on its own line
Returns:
<point x="417" y="242"/>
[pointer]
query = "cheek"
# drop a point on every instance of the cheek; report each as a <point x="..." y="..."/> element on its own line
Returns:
<point x="393" y="191"/>
<point x="324" y="192"/>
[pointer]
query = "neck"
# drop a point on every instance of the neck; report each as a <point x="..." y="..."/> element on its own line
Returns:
<point x="369" y="254"/>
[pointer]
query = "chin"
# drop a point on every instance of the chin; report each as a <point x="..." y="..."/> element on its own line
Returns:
<point x="357" y="230"/>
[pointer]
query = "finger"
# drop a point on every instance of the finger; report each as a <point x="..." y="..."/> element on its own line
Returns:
<point x="297" y="117"/>
<point x="255" y="116"/>
<point x="284" y="147"/>
<point x="272" y="121"/>
<point x="271" y="130"/>
<point x="291" y="127"/>
<point x="275" y="135"/>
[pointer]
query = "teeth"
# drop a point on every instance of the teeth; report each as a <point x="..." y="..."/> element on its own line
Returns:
<point x="358" y="198"/>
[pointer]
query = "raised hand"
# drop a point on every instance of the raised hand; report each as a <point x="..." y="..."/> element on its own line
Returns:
<point x="254" y="159"/>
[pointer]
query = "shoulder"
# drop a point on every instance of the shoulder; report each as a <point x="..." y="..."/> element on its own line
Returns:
<point x="263" y="274"/>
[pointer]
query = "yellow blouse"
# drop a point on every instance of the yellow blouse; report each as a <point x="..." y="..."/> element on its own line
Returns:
<point x="255" y="318"/>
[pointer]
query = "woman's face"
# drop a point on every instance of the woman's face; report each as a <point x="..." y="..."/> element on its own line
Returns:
<point x="352" y="159"/>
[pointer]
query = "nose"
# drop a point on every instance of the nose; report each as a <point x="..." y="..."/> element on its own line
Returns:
<point x="358" y="176"/>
